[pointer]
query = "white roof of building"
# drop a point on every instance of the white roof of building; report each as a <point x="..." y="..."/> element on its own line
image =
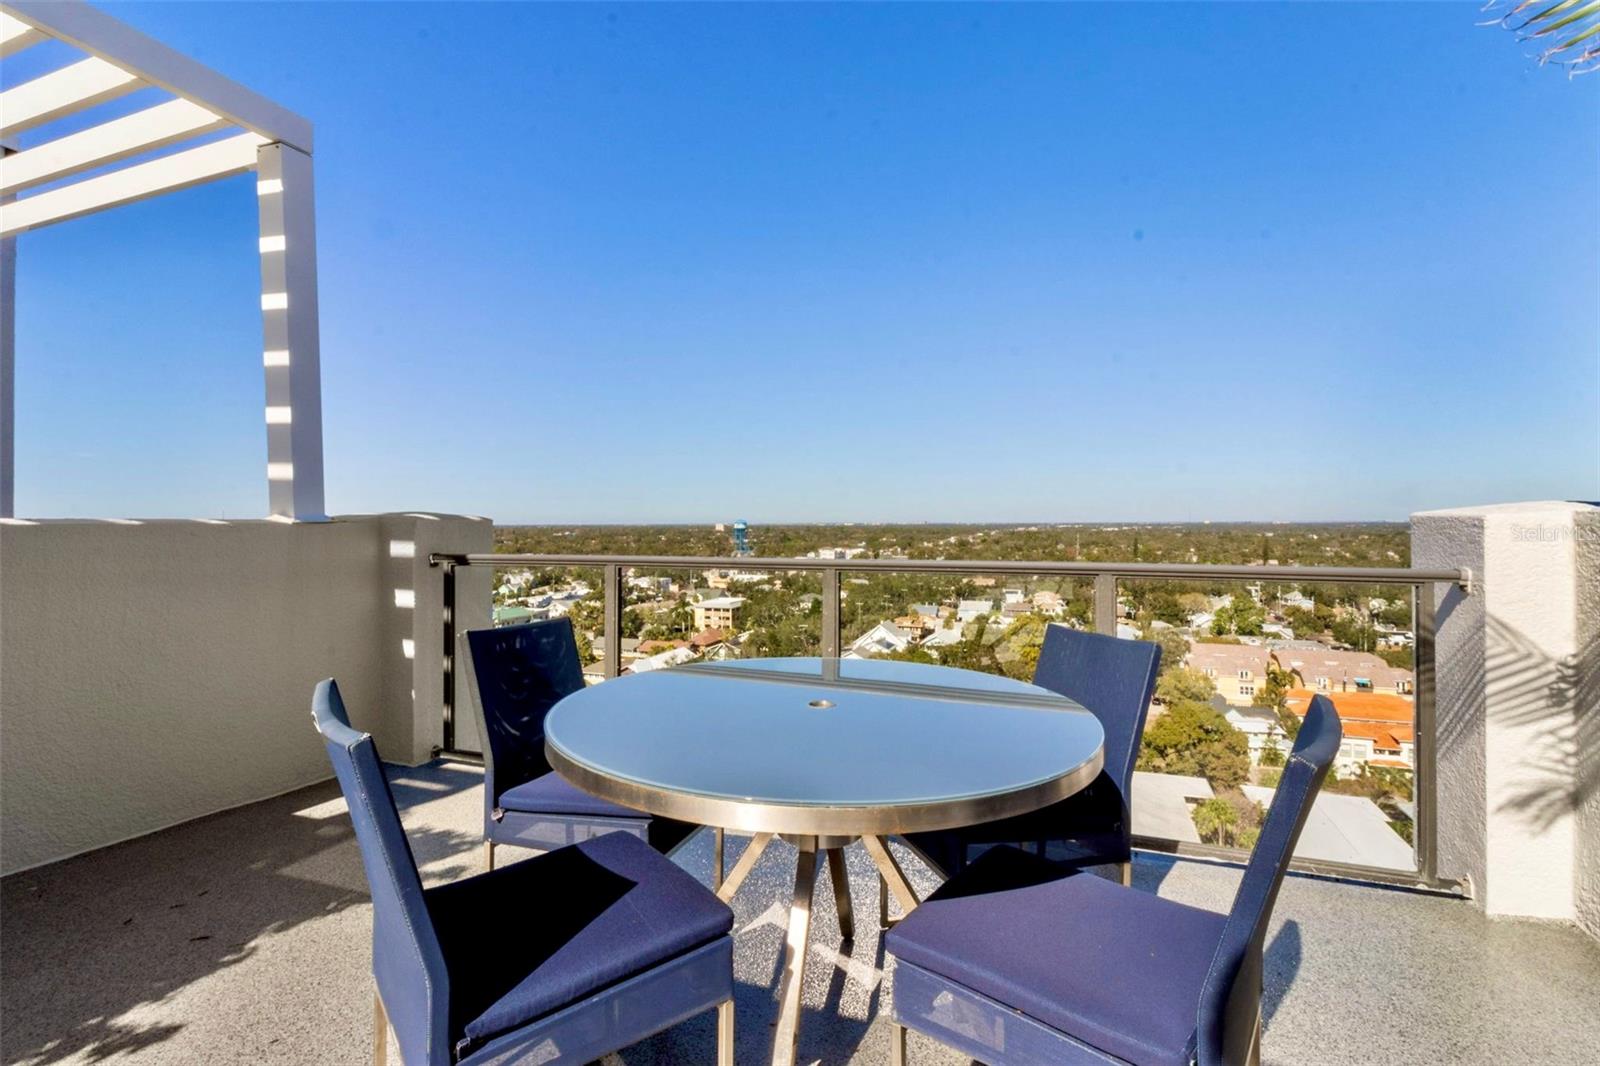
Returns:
<point x="1345" y="829"/>
<point x="1161" y="805"/>
<point x="728" y="602"/>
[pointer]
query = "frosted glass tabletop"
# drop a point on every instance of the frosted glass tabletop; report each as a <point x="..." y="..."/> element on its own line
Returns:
<point x="824" y="745"/>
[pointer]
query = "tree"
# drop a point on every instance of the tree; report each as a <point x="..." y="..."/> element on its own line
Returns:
<point x="1185" y="683"/>
<point x="1241" y="614"/>
<point x="1194" y="738"/>
<point x="1271" y="754"/>
<point x="1174" y="648"/>
<point x="1214" y="820"/>
<point x="1568" y="33"/>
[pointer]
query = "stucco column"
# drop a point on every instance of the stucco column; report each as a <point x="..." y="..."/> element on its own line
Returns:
<point x="1518" y="755"/>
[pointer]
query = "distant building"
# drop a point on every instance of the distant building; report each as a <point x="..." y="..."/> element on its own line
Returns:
<point x="1260" y="726"/>
<point x="719" y="613"/>
<point x="1012" y="595"/>
<point x="511" y="616"/>
<point x="881" y="639"/>
<point x="671" y="657"/>
<point x="629" y="647"/>
<point x="969" y="610"/>
<point x="1238" y="670"/>
<point x="1379" y="728"/>
<point x="1323" y="669"/>
<point x="1047" y="602"/>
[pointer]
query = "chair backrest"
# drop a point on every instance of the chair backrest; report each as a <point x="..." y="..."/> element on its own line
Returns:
<point x="1232" y="993"/>
<point x="519" y="673"/>
<point x="406" y="960"/>
<point x="1114" y="679"/>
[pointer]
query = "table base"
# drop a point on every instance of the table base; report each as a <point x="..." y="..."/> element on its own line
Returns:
<point x="891" y="880"/>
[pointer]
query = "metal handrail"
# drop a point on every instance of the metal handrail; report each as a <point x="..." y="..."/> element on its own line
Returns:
<point x="1421" y="581"/>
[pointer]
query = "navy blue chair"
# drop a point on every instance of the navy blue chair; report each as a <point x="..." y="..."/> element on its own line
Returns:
<point x="518" y="673"/>
<point x="1114" y="679"/>
<point x="1017" y="961"/>
<point x="563" y="958"/>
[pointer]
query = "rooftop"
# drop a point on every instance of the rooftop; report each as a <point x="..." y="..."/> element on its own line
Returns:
<point x="244" y="938"/>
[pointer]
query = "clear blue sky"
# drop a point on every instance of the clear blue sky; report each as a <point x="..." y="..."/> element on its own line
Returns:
<point x="1227" y="261"/>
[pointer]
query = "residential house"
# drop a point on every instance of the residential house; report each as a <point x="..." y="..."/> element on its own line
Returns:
<point x="662" y="660"/>
<point x="970" y="610"/>
<point x="511" y="616"/>
<point x="714" y="644"/>
<point x="881" y="639"/>
<point x="629" y="647"/>
<point x="1047" y="602"/>
<point x="1238" y="670"/>
<point x="942" y="637"/>
<point x="1260" y="726"/>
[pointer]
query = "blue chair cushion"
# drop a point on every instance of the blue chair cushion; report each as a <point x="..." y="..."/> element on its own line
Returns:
<point x="1115" y="968"/>
<point x="553" y="794"/>
<point x="532" y="937"/>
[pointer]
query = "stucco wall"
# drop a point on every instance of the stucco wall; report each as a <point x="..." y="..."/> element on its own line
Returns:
<point x="1517" y="737"/>
<point x="156" y="672"/>
<point x="1587" y="701"/>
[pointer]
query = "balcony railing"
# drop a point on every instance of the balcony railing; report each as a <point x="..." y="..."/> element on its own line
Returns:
<point x="1104" y="577"/>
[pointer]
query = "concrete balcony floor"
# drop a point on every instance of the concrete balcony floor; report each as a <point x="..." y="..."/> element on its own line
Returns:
<point x="244" y="938"/>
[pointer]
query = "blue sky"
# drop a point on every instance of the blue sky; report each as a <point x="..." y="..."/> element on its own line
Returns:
<point x="691" y="263"/>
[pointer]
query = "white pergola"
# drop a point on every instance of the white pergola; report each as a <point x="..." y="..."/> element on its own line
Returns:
<point x="144" y="154"/>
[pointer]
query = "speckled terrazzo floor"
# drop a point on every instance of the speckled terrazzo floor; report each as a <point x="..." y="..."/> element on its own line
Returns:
<point x="243" y="938"/>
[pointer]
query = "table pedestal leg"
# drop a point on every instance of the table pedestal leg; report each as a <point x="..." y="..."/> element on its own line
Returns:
<point x="841" y="893"/>
<point x="742" y="868"/>
<point x="786" y="1039"/>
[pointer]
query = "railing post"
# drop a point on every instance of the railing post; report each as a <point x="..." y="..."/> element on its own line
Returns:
<point x="613" y="617"/>
<point x="448" y="659"/>
<point x="830" y="613"/>
<point x="1426" y="830"/>
<point x="1105" y="604"/>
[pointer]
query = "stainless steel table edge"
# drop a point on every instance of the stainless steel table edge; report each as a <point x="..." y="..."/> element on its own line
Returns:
<point x="880" y="819"/>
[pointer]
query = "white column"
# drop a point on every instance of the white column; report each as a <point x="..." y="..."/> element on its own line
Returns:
<point x="8" y="367"/>
<point x="292" y="355"/>
<point x="1517" y="661"/>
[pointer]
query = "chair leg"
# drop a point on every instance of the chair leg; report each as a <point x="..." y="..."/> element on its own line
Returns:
<point x="716" y="859"/>
<point x="380" y="1032"/>
<point x="725" y="1031"/>
<point x="1127" y="874"/>
<point x="488" y="854"/>
<point x="897" y="1044"/>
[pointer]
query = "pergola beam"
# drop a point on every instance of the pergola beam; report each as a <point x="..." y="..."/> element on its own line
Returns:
<point x="220" y="159"/>
<point x="15" y="35"/>
<point x="106" y="37"/>
<point x="154" y="127"/>
<point x="61" y="92"/>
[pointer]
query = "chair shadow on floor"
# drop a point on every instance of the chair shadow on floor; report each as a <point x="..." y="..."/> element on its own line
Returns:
<point x="93" y="937"/>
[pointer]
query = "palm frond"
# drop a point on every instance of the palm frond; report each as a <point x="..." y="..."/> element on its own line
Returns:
<point x="1580" y="19"/>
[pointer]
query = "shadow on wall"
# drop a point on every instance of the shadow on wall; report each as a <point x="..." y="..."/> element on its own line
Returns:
<point x="89" y="939"/>
<point x="1561" y="698"/>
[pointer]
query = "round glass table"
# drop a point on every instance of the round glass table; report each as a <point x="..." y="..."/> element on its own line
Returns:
<point x="823" y="752"/>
